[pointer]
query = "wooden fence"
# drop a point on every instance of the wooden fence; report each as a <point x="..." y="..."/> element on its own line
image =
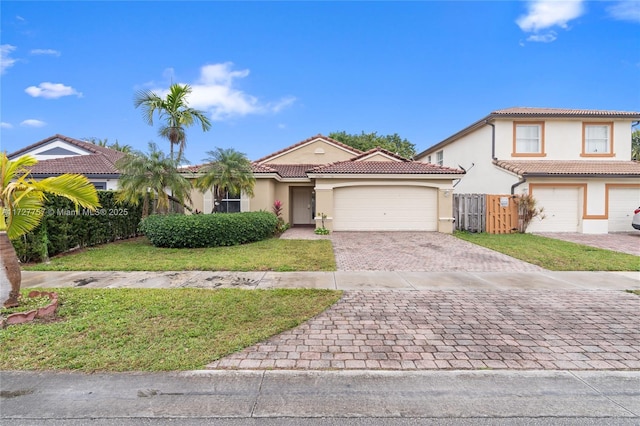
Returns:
<point x="495" y="214"/>
<point x="469" y="212"/>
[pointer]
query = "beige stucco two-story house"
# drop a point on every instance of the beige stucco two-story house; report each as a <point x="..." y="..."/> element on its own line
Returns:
<point x="575" y="163"/>
<point x="354" y="190"/>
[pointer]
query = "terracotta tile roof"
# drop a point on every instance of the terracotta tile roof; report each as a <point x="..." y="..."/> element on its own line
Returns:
<point x="99" y="161"/>
<point x="262" y="168"/>
<point x="384" y="167"/>
<point x="92" y="164"/>
<point x="380" y="150"/>
<point x="571" y="168"/>
<point x="562" y="112"/>
<point x="290" y="170"/>
<point x="190" y="168"/>
<point x="318" y="136"/>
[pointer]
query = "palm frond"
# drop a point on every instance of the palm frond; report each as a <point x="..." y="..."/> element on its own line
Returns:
<point x="76" y="188"/>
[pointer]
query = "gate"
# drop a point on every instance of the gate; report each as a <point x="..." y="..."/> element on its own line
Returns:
<point x="469" y="212"/>
<point x="502" y="214"/>
<point x="494" y="214"/>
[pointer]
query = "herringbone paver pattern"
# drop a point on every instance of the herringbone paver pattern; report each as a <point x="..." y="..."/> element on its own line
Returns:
<point x="410" y="330"/>
<point x="418" y="251"/>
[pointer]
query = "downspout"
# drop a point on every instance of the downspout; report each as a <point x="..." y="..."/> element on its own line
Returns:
<point x="517" y="184"/>
<point x="493" y="139"/>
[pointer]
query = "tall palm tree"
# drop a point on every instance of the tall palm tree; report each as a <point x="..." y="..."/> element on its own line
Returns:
<point x="175" y="110"/>
<point x="145" y="176"/>
<point x="21" y="210"/>
<point x="227" y="170"/>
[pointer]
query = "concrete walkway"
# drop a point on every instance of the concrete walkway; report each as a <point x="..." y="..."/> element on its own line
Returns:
<point x="339" y="280"/>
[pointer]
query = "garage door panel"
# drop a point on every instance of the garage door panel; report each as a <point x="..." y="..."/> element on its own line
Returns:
<point x="622" y="203"/>
<point x="385" y="208"/>
<point x="562" y="209"/>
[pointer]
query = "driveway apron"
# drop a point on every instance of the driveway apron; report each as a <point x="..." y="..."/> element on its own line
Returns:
<point x="446" y="329"/>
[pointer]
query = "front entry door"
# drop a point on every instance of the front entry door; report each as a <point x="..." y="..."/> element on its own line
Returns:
<point x="302" y="205"/>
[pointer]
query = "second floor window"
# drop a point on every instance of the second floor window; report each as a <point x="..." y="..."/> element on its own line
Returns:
<point x="597" y="139"/>
<point x="528" y="138"/>
<point x="440" y="158"/>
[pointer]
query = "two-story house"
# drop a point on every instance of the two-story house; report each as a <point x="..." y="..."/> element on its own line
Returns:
<point x="575" y="163"/>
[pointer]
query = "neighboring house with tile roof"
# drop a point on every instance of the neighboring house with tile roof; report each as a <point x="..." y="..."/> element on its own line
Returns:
<point x="60" y="154"/>
<point x="575" y="163"/>
<point x="357" y="191"/>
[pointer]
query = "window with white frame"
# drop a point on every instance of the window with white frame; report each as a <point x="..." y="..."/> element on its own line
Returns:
<point x="528" y="138"/>
<point x="229" y="204"/>
<point x="440" y="158"/>
<point x="597" y="139"/>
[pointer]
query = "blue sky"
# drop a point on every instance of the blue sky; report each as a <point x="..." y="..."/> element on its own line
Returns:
<point x="271" y="74"/>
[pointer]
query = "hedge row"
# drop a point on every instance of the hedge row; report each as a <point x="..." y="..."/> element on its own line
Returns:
<point x="208" y="230"/>
<point x="62" y="228"/>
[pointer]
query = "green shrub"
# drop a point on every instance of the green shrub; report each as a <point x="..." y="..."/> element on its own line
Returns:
<point x="208" y="230"/>
<point x="63" y="228"/>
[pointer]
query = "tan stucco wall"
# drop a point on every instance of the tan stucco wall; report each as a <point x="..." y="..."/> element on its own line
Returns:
<point x="315" y="152"/>
<point x="197" y="201"/>
<point x="263" y="195"/>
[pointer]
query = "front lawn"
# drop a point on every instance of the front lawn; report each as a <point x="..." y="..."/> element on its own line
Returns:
<point x="139" y="255"/>
<point x="552" y="254"/>
<point x="154" y="329"/>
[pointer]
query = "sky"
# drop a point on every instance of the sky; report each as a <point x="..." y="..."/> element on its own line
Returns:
<point x="271" y="74"/>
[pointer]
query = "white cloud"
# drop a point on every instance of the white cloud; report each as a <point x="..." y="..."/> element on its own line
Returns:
<point x="543" y="38"/>
<point x="33" y="123"/>
<point x="4" y="125"/>
<point x="49" y="90"/>
<point x="544" y="14"/>
<point x="215" y="92"/>
<point x="6" y="61"/>
<point x="627" y="10"/>
<point x="49" y="52"/>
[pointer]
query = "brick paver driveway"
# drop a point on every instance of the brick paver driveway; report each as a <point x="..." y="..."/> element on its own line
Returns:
<point x="418" y="251"/>
<point x="462" y="329"/>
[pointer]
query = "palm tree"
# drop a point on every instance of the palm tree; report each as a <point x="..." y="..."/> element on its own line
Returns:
<point x="226" y="170"/>
<point x="145" y="176"/>
<point x="175" y="111"/>
<point x="21" y="203"/>
<point x="105" y="144"/>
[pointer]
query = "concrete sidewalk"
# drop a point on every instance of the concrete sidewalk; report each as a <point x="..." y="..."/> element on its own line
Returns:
<point x="532" y="397"/>
<point x="340" y="280"/>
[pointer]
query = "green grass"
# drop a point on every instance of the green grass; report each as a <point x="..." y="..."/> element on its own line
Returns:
<point x="154" y="329"/>
<point x="139" y="255"/>
<point x="552" y="254"/>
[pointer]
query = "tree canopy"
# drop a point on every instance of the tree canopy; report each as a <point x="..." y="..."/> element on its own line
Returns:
<point x="366" y="141"/>
<point x="635" y="145"/>
<point x="175" y="111"/>
<point x="151" y="175"/>
<point x="226" y="170"/>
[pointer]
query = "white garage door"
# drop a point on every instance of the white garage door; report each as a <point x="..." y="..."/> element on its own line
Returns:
<point x="562" y="209"/>
<point x="622" y="203"/>
<point x="385" y="208"/>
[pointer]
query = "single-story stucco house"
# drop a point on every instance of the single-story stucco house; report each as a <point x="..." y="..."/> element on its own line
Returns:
<point x="375" y="190"/>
